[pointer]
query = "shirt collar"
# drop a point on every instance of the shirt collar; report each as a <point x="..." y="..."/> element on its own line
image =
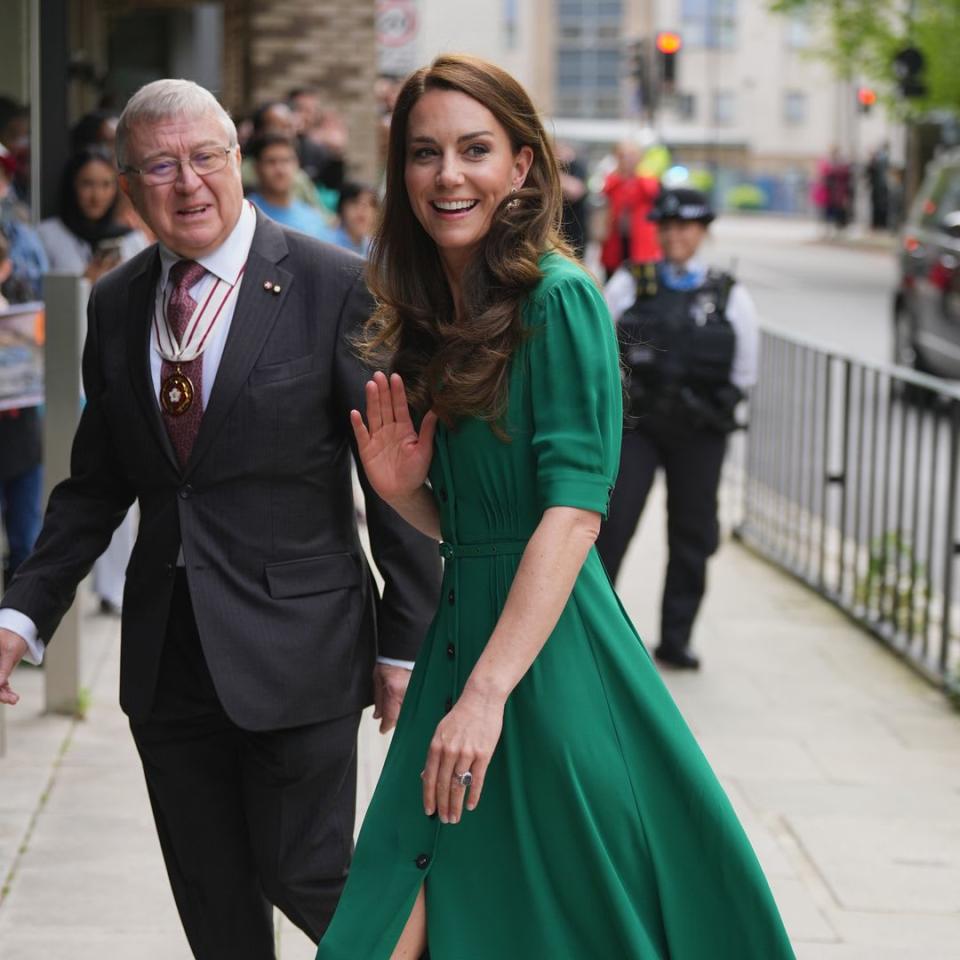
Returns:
<point x="228" y="259"/>
<point x="686" y="277"/>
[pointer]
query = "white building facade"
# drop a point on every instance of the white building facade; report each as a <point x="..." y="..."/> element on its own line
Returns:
<point x="752" y="102"/>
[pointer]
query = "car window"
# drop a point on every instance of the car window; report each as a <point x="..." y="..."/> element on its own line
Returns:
<point x="943" y="198"/>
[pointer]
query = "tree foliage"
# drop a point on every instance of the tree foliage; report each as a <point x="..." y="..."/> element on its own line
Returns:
<point x="863" y="36"/>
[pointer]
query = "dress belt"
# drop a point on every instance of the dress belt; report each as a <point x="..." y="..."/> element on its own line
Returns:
<point x="506" y="548"/>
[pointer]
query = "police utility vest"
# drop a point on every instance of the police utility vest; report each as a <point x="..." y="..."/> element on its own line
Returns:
<point x="678" y="347"/>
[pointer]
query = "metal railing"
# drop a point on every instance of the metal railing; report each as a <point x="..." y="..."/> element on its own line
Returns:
<point x="849" y="478"/>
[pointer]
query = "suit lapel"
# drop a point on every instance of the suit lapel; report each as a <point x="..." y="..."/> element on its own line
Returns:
<point x="254" y="316"/>
<point x="140" y="312"/>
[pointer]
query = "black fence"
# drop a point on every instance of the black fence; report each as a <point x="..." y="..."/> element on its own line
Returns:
<point x="849" y="482"/>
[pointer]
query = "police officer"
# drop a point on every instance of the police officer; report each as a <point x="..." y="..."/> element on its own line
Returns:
<point x="689" y="339"/>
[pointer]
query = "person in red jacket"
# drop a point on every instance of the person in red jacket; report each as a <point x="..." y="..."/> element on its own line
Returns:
<point x="630" y="198"/>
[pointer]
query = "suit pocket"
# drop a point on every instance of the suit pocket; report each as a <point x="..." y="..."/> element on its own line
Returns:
<point x="287" y="370"/>
<point x="303" y="578"/>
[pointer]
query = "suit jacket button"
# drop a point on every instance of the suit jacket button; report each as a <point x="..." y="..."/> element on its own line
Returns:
<point x="451" y="596"/>
<point x="171" y="569"/>
<point x="451" y="650"/>
<point x="422" y="861"/>
<point x="185" y="491"/>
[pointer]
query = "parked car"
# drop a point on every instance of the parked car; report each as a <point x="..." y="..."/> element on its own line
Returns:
<point x="926" y="307"/>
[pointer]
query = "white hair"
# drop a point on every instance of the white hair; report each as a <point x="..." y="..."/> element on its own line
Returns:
<point x="164" y="99"/>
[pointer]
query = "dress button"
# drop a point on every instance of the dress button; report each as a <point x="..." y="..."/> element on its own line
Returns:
<point x="443" y="494"/>
<point x="448" y="706"/>
<point x="451" y="650"/>
<point x="422" y="861"/>
<point x="451" y="596"/>
<point x="185" y="491"/>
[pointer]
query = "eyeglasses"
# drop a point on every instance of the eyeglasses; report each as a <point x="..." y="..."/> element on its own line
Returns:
<point x="167" y="169"/>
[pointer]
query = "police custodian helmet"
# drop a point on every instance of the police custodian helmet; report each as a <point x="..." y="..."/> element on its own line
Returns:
<point x="682" y="203"/>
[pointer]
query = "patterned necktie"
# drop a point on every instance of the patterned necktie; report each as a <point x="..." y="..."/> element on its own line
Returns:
<point x="183" y="428"/>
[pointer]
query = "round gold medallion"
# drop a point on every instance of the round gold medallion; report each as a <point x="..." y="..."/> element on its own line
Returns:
<point x="176" y="394"/>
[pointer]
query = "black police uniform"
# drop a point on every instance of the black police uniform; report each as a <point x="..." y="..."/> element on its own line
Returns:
<point x="678" y="347"/>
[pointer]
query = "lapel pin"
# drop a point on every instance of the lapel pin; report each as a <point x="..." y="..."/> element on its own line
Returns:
<point x="267" y="284"/>
<point x="276" y="288"/>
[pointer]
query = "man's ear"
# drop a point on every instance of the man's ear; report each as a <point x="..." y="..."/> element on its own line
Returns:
<point x="125" y="186"/>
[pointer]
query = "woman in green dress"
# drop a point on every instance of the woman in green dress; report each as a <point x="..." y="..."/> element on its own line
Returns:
<point x="542" y="797"/>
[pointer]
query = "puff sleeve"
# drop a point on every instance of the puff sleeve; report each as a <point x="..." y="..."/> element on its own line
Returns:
<point x="576" y="395"/>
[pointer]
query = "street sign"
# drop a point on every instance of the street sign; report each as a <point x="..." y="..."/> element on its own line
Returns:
<point x="397" y="27"/>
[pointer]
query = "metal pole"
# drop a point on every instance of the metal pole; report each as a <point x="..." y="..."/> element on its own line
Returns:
<point x="822" y="473"/>
<point x="896" y="609"/>
<point x="949" y="547"/>
<point x="931" y="530"/>
<point x="843" y="477"/>
<point x="920" y="429"/>
<point x="859" y="498"/>
<point x="66" y="303"/>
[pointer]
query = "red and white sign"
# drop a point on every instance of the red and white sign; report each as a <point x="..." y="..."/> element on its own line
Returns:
<point x="397" y="24"/>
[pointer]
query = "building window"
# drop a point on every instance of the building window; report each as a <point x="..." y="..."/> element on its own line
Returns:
<point x="685" y="106"/>
<point x="724" y="107"/>
<point x="799" y="30"/>
<point x="511" y="15"/>
<point x="795" y="107"/>
<point x="589" y="64"/>
<point x="709" y="23"/>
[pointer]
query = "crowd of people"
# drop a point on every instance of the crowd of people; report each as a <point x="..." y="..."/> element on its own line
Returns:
<point x="835" y="189"/>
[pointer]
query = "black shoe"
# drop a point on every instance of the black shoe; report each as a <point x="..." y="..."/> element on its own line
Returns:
<point x="678" y="659"/>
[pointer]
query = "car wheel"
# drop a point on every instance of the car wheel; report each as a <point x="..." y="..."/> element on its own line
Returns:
<point x="905" y="354"/>
<point x="904" y="344"/>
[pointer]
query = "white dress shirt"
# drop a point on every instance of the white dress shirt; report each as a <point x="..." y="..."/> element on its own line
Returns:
<point x="224" y="263"/>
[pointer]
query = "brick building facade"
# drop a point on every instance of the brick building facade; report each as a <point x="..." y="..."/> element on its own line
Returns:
<point x="265" y="49"/>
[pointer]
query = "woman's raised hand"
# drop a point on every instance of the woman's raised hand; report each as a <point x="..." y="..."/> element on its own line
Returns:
<point x="395" y="458"/>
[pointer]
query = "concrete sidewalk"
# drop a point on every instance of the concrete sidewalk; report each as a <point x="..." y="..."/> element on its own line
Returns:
<point x="842" y="764"/>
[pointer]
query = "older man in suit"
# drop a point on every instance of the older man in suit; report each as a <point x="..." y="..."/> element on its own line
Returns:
<point x="219" y="377"/>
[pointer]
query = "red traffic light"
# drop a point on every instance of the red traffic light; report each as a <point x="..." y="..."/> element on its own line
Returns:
<point x="866" y="96"/>
<point x="669" y="42"/>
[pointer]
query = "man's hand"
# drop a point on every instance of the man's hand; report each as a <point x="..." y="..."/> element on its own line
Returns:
<point x="389" y="686"/>
<point x="12" y="649"/>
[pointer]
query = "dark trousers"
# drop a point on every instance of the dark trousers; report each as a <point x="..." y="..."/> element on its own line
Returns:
<point x="245" y="820"/>
<point x="692" y="460"/>
<point x="21" y="509"/>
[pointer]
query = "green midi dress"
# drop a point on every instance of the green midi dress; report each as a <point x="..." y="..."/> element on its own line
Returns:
<point x="602" y="833"/>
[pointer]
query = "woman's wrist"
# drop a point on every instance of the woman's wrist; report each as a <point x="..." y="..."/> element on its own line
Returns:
<point x="489" y="691"/>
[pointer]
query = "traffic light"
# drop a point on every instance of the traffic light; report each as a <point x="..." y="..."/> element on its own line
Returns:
<point x="643" y="92"/>
<point x="908" y="68"/>
<point x="668" y="44"/>
<point x="866" y="97"/>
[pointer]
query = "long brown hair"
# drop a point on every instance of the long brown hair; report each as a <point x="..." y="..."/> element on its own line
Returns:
<point x="459" y="364"/>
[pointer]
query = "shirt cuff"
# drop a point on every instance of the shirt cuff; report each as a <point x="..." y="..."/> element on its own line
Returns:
<point x="21" y="624"/>
<point x="390" y="662"/>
